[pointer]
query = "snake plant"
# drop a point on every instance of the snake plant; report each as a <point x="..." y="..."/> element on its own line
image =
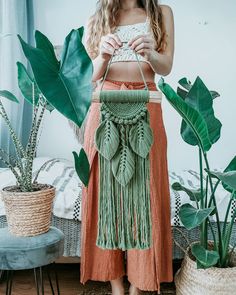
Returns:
<point x="22" y="164"/>
<point x="200" y="128"/>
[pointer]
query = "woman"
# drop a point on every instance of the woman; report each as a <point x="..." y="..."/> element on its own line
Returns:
<point x="121" y="27"/>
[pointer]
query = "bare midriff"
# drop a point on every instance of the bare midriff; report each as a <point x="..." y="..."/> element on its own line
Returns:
<point x="129" y="71"/>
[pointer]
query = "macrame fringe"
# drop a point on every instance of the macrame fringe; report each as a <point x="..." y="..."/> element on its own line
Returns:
<point x="124" y="211"/>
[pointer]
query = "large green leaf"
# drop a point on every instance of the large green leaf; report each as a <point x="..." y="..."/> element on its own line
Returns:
<point x="194" y="194"/>
<point x="82" y="166"/>
<point x="230" y="167"/>
<point x="191" y="217"/>
<point x="228" y="178"/>
<point x="187" y="85"/>
<point x="26" y="82"/>
<point x="192" y="117"/>
<point x="200" y="98"/>
<point x="66" y="85"/>
<point x="42" y="42"/>
<point x="206" y="257"/>
<point x="7" y="94"/>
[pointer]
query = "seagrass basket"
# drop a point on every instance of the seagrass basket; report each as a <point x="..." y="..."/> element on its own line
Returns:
<point x="212" y="281"/>
<point x="28" y="213"/>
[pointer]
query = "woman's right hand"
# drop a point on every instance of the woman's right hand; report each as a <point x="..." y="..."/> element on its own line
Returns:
<point x="108" y="44"/>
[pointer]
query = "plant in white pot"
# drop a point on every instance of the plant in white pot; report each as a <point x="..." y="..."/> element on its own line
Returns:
<point x="209" y="265"/>
<point x="65" y="85"/>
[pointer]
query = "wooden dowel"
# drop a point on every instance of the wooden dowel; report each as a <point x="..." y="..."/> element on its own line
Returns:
<point x="154" y="96"/>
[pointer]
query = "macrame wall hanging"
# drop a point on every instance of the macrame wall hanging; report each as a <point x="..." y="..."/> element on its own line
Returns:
<point x="123" y="140"/>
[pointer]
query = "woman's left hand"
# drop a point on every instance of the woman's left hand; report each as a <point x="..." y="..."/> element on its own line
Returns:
<point x="144" y="45"/>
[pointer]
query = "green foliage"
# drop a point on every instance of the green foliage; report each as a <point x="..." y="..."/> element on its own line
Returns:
<point x="66" y="84"/>
<point x="82" y="166"/>
<point x="200" y="98"/>
<point x="191" y="116"/>
<point x="191" y="217"/>
<point x="200" y="127"/>
<point x="21" y="165"/>
<point x="7" y="94"/>
<point x="205" y="257"/>
<point x="194" y="194"/>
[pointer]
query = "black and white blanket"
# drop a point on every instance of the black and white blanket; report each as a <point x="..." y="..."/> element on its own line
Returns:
<point x="67" y="203"/>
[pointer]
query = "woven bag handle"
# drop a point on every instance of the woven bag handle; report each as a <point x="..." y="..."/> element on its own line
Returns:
<point x="139" y="65"/>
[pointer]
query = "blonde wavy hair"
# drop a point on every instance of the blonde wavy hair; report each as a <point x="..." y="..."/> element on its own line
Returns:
<point x="103" y="22"/>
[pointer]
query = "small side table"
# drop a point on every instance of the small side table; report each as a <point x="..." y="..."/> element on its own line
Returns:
<point x="18" y="253"/>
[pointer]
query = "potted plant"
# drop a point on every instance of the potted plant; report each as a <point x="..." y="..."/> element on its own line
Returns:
<point x="65" y="85"/>
<point x="27" y="203"/>
<point x="209" y="265"/>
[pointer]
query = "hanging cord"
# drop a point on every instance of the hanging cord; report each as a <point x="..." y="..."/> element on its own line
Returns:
<point x="139" y="65"/>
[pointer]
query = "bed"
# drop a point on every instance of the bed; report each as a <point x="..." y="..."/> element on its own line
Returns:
<point x="67" y="203"/>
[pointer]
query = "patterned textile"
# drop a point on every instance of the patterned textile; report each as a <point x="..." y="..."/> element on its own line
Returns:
<point x="58" y="172"/>
<point x="67" y="204"/>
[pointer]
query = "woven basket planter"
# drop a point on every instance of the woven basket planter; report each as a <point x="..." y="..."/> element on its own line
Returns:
<point x="212" y="281"/>
<point x="28" y="213"/>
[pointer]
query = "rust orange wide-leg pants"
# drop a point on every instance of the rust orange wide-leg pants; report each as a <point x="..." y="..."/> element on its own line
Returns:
<point x="145" y="269"/>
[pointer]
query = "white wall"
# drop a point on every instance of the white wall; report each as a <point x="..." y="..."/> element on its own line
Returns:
<point x="204" y="46"/>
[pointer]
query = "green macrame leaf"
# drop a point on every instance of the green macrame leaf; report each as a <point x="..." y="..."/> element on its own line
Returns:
<point x="123" y="165"/>
<point x="107" y="139"/>
<point x="141" y="138"/>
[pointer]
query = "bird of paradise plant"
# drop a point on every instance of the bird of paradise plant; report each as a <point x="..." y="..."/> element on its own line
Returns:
<point x="200" y="128"/>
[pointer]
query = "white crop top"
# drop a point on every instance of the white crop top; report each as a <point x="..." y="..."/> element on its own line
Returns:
<point x="126" y="33"/>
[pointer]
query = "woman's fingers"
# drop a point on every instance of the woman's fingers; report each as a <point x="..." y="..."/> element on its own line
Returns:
<point x="143" y="46"/>
<point x="113" y="40"/>
<point x="116" y="38"/>
<point x="140" y="39"/>
<point x="108" y="48"/>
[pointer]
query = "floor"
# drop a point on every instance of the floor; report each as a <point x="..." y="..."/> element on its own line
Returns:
<point x="68" y="275"/>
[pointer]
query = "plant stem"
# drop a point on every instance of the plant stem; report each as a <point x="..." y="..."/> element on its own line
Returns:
<point x="18" y="146"/>
<point x="216" y="209"/>
<point x="211" y="198"/>
<point x="33" y="145"/>
<point x="227" y="240"/>
<point x="227" y="214"/>
<point x="213" y="234"/>
<point x="17" y="176"/>
<point x="203" y="226"/>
